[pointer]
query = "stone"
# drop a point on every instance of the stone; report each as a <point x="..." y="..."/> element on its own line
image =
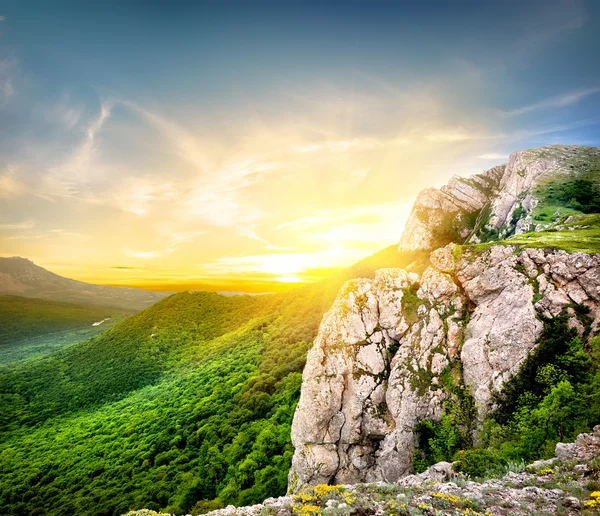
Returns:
<point x="565" y="451"/>
<point x="374" y="370"/>
<point x="571" y="502"/>
<point x="442" y="259"/>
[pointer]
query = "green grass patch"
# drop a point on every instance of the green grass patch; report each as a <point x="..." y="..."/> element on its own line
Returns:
<point x="581" y="240"/>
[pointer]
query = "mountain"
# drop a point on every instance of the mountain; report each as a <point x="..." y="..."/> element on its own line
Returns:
<point x="535" y="189"/>
<point x="189" y="405"/>
<point x="21" y="277"/>
<point x="410" y="368"/>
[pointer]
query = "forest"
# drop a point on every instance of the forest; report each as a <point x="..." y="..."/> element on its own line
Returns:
<point x="184" y="407"/>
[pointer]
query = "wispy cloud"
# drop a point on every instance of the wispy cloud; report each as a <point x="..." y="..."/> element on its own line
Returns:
<point x="138" y="194"/>
<point x="69" y="178"/>
<point x="184" y="143"/>
<point x="2" y="18"/>
<point x="65" y="112"/>
<point x="19" y="226"/>
<point x="458" y="134"/>
<point x="9" y="69"/>
<point x="493" y="156"/>
<point x="545" y="23"/>
<point x="141" y="255"/>
<point x="379" y="223"/>
<point x="10" y="185"/>
<point x="285" y="267"/>
<point x="355" y="144"/>
<point x="523" y="134"/>
<point x="564" y="100"/>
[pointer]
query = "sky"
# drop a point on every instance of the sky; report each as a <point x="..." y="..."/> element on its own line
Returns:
<point x="253" y="146"/>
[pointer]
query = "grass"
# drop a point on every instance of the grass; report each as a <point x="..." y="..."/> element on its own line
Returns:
<point x="551" y="212"/>
<point x="581" y="240"/>
<point x="580" y="234"/>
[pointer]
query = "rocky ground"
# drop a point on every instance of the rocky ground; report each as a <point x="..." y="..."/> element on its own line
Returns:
<point x="567" y="485"/>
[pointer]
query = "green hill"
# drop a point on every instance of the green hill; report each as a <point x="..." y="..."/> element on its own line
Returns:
<point x="184" y="406"/>
<point x="33" y="327"/>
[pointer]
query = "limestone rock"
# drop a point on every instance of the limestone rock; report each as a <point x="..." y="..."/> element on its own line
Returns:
<point x="501" y="199"/>
<point x="439" y="472"/>
<point x="375" y="369"/>
<point x="585" y="447"/>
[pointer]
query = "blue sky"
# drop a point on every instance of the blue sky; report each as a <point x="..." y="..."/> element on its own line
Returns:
<point x="197" y="143"/>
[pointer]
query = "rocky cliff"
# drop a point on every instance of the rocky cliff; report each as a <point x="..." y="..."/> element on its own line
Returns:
<point x="496" y="203"/>
<point x="393" y="350"/>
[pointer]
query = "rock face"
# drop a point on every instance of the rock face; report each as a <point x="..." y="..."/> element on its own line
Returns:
<point x="499" y="200"/>
<point x="434" y="210"/>
<point x="384" y="351"/>
<point x="585" y="447"/>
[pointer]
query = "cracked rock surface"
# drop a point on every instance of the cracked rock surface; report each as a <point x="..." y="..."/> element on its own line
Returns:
<point x="502" y="197"/>
<point x="375" y="369"/>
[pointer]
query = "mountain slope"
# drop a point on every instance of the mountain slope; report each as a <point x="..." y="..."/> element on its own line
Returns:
<point x="32" y="327"/>
<point x="536" y="188"/>
<point x="495" y="346"/>
<point x="21" y="277"/>
<point x="188" y="403"/>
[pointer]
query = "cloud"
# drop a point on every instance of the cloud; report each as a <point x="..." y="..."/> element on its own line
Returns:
<point x="141" y="255"/>
<point x="529" y="133"/>
<point x="286" y="267"/>
<point x="66" y="113"/>
<point x="137" y="195"/>
<point x="2" y="18"/>
<point x="10" y="186"/>
<point x="355" y="144"/>
<point x="185" y="144"/>
<point x="458" y="134"/>
<point x="69" y="179"/>
<point x="545" y="23"/>
<point x="493" y="156"/>
<point x="567" y="99"/>
<point x="9" y="70"/>
<point x="374" y="225"/>
<point x="27" y="224"/>
<point x="370" y="212"/>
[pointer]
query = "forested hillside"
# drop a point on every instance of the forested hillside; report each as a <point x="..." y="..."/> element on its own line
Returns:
<point x="185" y="406"/>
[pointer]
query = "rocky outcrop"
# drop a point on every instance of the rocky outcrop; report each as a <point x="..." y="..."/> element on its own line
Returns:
<point x="499" y="201"/>
<point x="384" y="351"/>
<point x="439" y="216"/>
<point x="585" y="448"/>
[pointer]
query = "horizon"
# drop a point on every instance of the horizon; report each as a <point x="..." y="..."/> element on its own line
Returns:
<point x="258" y="148"/>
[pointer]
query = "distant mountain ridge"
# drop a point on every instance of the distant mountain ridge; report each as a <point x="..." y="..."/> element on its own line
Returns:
<point x="21" y="277"/>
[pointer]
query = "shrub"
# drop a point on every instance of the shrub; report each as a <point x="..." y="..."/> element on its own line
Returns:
<point x="477" y="462"/>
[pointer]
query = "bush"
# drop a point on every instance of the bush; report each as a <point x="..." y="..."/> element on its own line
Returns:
<point x="477" y="462"/>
